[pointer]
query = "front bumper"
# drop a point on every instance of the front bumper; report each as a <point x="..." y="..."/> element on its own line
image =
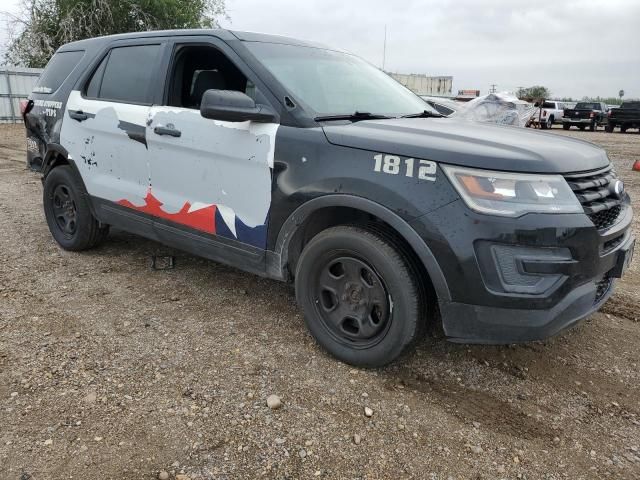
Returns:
<point x="525" y="279"/>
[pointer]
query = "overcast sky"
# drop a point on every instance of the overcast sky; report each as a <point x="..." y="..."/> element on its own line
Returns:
<point x="574" y="47"/>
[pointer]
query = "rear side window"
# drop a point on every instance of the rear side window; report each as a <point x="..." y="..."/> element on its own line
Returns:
<point x="57" y="71"/>
<point x="126" y="75"/>
<point x="551" y="105"/>
<point x="93" y="88"/>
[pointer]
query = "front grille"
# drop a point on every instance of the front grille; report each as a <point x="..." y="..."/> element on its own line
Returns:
<point x="606" y="218"/>
<point x="602" y="287"/>
<point x="592" y="190"/>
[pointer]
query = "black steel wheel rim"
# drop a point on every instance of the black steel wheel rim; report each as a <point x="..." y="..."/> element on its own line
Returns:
<point x="352" y="302"/>
<point x="64" y="209"/>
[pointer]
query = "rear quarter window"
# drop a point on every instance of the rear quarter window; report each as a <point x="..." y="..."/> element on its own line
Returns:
<point x="126" y="75"/>
<point x="57" y="71"/>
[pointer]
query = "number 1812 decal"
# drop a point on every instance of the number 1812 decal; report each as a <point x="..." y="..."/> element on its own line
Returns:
<point x="393" y="164"/>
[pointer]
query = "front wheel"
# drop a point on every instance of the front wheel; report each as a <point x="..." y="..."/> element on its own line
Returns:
<point x="67" y="211"/>
<point x="360" y="297"/>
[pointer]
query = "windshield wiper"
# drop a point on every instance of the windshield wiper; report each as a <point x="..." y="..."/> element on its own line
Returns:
<point x="354" y="117"/>
<point x="424" y="114"/>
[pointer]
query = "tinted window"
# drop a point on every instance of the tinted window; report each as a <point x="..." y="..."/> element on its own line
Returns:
<point x="57" y="70"/>
<point x="129" y="74"/>
<point x="93" y="89"/>
<point x="587" y="106"/>
<point x="551" y="105"/>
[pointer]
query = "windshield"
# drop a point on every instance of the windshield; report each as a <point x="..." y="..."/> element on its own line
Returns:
<point x="335" y="83"/>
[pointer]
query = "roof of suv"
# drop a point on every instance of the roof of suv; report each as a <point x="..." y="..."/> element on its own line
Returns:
<point x="217" y="32"/>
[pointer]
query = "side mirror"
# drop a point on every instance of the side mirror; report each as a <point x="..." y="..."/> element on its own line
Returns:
<point x="234" y="106"/>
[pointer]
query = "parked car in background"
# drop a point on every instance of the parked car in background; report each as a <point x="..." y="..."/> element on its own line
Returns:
<point x="625" y="117"/>
<point x="551" y="112"/>
<point x="585" y="114"/>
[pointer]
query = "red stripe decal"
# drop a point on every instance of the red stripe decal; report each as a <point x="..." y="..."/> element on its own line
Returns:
<point x="203" y="219"/>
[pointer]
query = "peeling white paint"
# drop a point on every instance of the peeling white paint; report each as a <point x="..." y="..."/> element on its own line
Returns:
<point x="227" y="164"/>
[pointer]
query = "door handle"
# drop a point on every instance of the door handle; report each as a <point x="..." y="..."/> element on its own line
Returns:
<point x="160" y="130"/>
<point x="78" y="115"/>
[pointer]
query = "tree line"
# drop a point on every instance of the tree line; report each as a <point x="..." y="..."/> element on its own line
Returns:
<point x="43" y="26"/>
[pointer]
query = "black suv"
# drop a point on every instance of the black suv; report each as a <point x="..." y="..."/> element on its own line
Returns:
<point x="307" y="164"/>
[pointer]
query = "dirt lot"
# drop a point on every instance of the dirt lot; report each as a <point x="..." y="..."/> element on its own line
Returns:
<point x="111" y="370"/>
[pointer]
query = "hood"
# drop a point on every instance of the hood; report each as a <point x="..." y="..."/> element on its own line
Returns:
<point x="470" y="144"/>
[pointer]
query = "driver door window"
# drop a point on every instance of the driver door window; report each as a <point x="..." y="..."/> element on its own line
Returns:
<point x="197" y="69"/>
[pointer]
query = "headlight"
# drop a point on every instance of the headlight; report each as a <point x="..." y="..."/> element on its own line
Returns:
<point x="512" y="194"/>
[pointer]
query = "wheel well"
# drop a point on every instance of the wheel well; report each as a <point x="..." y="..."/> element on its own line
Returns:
<point x="327" y="217"/>
<point x="55" y="159"/>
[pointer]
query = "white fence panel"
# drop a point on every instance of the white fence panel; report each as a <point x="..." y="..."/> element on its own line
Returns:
<point x="15" y="84"/>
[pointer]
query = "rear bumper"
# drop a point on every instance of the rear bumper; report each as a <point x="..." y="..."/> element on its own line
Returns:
<point x="578" y="121"/>
<point x="630" y="123"/>
<point x="526" y="279"/>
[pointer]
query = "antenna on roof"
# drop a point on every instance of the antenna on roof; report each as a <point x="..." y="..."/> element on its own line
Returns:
<point x="384" y="48"/>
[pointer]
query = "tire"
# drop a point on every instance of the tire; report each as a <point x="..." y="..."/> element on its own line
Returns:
<point x="360" y="297"/>
<point x="593" y="126"/>
<point x="544" y="125"/>
<point x="609" y="128"/>
<point x="623" y="129"/>
<point x="68" y="213"/>
<point x="566" y="126"/>
<point x="581" y="127"/>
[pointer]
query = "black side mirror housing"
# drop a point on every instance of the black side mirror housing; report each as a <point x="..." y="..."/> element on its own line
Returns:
<point x="234" y="106"/>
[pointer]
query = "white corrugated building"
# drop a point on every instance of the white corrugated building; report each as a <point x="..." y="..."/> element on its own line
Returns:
<point x="439" y="86"/>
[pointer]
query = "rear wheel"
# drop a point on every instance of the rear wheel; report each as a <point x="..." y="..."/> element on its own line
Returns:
<point x="67" y="211"/>
<point x="581" y="127"/>
<point x="566" y="126"/>
<point x="623" y="129"/>
<point x="609" y="128"/>
<point x="360" y="297"/>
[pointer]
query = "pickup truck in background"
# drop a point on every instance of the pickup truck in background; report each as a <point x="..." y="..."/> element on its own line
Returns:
<point x="585" y="114"/>
<point x="551" y="112"/>
<point x="625" y="117"/>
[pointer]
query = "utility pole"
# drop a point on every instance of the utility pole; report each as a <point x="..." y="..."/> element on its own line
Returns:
<point x="493" y="88"/>
<point x="384" y="48"/>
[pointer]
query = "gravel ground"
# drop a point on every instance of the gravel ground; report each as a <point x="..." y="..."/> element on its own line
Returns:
<point x="111" y="370"/>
